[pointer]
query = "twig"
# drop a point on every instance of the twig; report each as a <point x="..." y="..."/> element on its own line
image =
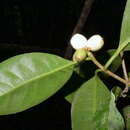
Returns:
<point x="80" y="24"/>
<point x="124" y="67"/>
<point x="126" y="89"/>
<point x="94" y="60"/>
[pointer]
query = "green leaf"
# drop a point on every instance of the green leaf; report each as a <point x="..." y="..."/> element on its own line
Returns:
<point x="125" y="29"/>
<point x="117" y="92"/>
<point x="102" y="57"/>
<point x="116" y="63"/>
<point x="27" y="80"/>
<point x="115" y="119"/>
<point x="72" y="86"/>
<point x="87" y="69"/>
<point x="124" y="44"/>
<point x="93" y="108"/>
<point x="126" y="114"/>
<point x="70" y="97"/>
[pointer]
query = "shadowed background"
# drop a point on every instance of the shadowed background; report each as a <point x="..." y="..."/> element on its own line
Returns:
<point x="46" y="26"/>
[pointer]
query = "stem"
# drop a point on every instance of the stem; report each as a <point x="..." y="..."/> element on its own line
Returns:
<point x="124" y="67"/>
<point x="126" y="89"/>
<point x="119" y="49"/>
<point x="80" y="24"/>
<point x="94" y="60"/>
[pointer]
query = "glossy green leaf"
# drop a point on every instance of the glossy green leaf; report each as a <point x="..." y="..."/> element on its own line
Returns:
<point x="27" y="80"/>
<point x="93" y="108"/>
<point x="125" y="35"/>
<point x="125" y="29"/>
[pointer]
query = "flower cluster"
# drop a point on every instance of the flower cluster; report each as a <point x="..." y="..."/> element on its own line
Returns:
<point x="94" y="43"/>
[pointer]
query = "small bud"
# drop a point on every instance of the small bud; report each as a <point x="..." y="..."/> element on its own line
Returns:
<point x="78" y="41"/>
<point x="80" y="55"/>
<point x="94" y="43"/>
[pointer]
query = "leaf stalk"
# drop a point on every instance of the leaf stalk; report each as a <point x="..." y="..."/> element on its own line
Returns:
<point x="102" y="68"/>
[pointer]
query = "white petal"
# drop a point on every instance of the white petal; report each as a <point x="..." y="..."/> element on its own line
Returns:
<point x="95" y="43"/>
<point x="78" y="41"/>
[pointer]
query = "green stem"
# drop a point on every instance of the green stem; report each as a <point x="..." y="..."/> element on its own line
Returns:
<point x="119" y="49"/>
<point x="94" y="60"/>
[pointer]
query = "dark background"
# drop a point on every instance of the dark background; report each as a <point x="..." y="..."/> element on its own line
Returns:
<point x="46" y="26"/>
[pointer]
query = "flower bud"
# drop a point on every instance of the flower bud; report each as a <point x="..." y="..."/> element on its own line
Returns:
<point x="80" y="55"/>
<point x="78" y="41"/>
<point x="94" y="43"/>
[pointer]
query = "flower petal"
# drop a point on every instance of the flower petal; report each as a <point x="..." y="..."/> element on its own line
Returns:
<point x="78" y="41"/>
<point x="94" y="43"/>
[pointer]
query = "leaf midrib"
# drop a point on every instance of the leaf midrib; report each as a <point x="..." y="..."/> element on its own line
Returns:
<point x="39" y="76"/>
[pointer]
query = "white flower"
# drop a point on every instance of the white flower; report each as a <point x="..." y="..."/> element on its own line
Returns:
<point x="94" y="43"/>
<point x="78" y="41"/>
